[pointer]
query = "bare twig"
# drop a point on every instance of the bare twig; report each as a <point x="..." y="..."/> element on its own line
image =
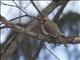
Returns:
<point x="19" y="7"/>
<point x="52" y="53"/>
<point x="37" y="8"/>
<point x="18" y="17"/>
<point x="21" y="10"/>
<point x="7" y="4"/>
<point x="25" y="12"/>
<point x="13" y="20"/>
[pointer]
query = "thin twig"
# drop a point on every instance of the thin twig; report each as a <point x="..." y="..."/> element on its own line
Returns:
<point x="17" y="18"/>
<point x="52" y="53"/>
<point x="7" y="4"/>
<point x="37" y="8"/>
<point x="19" y="7"/>
<point x="21" y="10"/>
<point x="24" y="11"/>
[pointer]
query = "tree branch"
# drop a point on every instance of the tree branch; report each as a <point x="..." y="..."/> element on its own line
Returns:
<point x="67" y="40"/>
<point x="21" y="10"/>
<point x="7" y="4"/>
<point x="37" y="8"/>
<point x="49" y="8"/>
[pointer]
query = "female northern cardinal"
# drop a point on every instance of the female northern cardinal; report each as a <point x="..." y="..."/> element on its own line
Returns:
<point x="50" y="28"/>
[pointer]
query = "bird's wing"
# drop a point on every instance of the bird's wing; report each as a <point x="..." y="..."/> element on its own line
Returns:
<point x="43" y="30"/>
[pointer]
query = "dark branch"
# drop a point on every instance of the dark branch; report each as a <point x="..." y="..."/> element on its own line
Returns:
<point x="21" y="10"/>
<point x="56" y="18"/>
<point x="68" y="40"/>
<point x="52" y="53"/>
<point x="37" y="8"/>
<point x="49" y="9"/>
<point x="7" y="4"/>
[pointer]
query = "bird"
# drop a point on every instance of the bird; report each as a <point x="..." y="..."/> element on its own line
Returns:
<point x="51" y="29"/>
